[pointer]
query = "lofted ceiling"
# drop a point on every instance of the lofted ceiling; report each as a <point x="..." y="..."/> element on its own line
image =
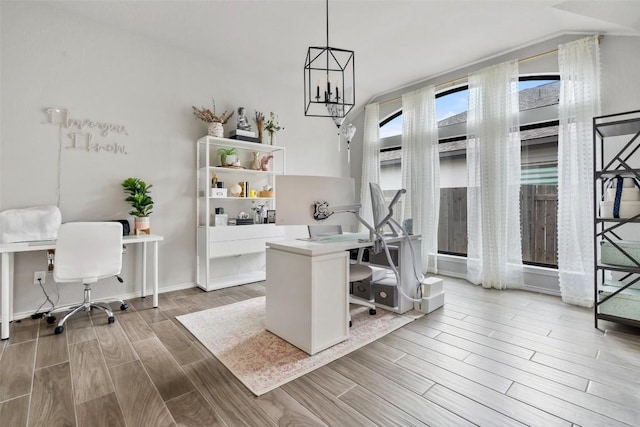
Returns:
<point x="396" y="42"/>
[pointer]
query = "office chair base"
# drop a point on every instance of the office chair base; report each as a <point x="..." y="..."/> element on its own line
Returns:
<point x="360" y="301"/>
<point x="87" y="305"/>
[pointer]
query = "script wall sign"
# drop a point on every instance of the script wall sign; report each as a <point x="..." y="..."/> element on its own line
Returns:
<point x="81" y="133"/>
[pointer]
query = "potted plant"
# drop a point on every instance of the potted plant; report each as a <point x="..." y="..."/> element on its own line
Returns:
<point x="226" y="154"/>
<point x="272" y="126"/>
<point x="141" y="201"/>
<point x="215" y="122"/>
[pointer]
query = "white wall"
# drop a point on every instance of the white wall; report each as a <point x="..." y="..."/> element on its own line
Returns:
<point x="52" y="59"/>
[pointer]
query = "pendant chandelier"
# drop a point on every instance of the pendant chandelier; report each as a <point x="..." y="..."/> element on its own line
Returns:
<point x="329" y="81"/>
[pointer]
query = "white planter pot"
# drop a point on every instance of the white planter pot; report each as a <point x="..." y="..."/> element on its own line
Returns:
<point x="142" y="224"/>
<point x="228" y="160"/>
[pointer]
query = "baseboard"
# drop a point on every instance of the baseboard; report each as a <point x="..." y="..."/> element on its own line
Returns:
<point x="541" y="290"/>
<point x="164" y="289"/>
<point x="178" y="287"/>
<point x="537" y="279"/>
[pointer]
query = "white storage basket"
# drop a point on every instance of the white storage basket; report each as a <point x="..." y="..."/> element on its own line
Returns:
<point x="628" y="209"/>
<point x="628" y="194"/>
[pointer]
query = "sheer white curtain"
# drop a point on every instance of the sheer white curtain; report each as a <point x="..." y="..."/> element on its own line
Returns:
<point x="579" y="63"/>
<point x="421" y="170"/>
<point x="494" y="255"/>
<point x="370" y="160"/>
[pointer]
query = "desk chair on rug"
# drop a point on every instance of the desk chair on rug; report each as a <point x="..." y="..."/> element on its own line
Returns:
<point x="357" y="272"/>
<point x="87" y="252"/>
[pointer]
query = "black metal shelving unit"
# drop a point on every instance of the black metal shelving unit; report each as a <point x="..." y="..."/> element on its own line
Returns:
<point x="625" y="163"/>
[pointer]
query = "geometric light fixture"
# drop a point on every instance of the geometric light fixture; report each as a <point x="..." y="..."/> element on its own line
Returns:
<point x="329" y="81"/>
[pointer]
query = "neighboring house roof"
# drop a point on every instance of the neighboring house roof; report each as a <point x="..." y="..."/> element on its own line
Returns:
<point x="541" y="96"/>
<point x="535" y="97"/>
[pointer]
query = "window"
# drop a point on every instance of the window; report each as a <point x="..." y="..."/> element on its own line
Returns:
<point x="392" y="126"/>
<point x="539" y="97"/>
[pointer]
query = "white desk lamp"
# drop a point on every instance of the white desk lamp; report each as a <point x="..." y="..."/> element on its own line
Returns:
<point x="322" y="211"/>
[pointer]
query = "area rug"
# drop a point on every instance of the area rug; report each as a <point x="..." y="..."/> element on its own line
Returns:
<point x="262" y="361"/>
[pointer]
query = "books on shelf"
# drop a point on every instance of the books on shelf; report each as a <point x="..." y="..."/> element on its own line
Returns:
<point x="244" y="138"/>
<point x="243" y="135"/>
<point x="241" y="132"/>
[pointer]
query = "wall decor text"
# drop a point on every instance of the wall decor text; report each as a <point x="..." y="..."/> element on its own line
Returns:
<point x="80" y="132"/>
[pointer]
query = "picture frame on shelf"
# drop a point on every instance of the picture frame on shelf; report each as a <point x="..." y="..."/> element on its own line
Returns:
<point x="271" y="216"/>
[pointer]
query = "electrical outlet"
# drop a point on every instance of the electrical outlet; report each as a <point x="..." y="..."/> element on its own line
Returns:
<point x="42" y="275"/>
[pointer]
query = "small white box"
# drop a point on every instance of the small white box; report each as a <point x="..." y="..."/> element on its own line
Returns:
<point x="429" y="304"/>
<point x="378" y="273"/>
<point x="221" y="220"/>
<point x="431" y="286"/>
<point x="218" y="192"/>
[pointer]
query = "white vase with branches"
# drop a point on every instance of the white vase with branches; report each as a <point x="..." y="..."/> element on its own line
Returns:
<point x="215" y="127"/>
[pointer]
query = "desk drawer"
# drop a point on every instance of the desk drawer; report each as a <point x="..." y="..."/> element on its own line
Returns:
<point x="244" y="232"/>
<point x="240" y="247"/>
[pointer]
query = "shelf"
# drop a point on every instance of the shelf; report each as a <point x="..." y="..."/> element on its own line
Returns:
<point x="617" y="319"/>
<point x="231" y="226"/>
<point x="619" y="220"/>
<point x="239" y="170"/>
<point x="245" y="145"/>
<point x="621" y="172"/>
<point x="238" y="198"/>
<point x="620" y="268"/>
<point x="234" y="254"/>
<point x="623" y="154"/>
<point x="618" y="128"/>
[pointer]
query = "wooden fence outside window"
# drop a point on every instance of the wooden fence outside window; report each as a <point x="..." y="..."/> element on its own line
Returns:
<point x="538" y="207"/>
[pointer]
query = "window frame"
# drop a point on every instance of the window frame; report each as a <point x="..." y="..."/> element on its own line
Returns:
<point x="458" y="138"/>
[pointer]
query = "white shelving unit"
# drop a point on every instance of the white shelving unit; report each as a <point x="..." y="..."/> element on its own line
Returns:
<point x="233" y="254"/>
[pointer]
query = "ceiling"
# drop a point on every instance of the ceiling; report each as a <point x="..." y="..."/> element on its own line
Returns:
<point x="396" y="42"/>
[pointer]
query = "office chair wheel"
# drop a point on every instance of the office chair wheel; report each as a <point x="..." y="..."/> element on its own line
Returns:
<point x="372" y="311"/>
<point x="350" y="323"/>
<point x="51" y="319"/>
<point x="124" y="306"/>
<point x="111" y="319"/>
<point x="59" y="330"/>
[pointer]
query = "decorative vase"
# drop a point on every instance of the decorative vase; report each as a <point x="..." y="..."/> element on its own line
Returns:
<point x="255" y="164"/>
<point x="215" y="129"/>
<point x="264" y="162"/>
<point x="272" y="138"/>
<point x="260" y="127"/>
<point x="142" y="224"/>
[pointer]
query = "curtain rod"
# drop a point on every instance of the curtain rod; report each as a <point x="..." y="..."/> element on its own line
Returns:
<point x="460" y="79"/>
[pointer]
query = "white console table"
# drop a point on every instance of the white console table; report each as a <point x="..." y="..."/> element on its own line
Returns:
<point x="307" y="298"/>
<point x="8" y="250"/>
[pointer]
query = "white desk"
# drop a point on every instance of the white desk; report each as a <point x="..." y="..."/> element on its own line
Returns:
<point x="9" y="249"/>
<point x="307" y="298"/>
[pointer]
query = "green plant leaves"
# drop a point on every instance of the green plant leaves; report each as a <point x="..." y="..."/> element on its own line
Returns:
<point x="139" y="197"/>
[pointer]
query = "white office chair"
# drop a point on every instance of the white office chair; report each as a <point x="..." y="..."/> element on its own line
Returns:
<point x="87" y="252"/>
<point x="357" y="272"/>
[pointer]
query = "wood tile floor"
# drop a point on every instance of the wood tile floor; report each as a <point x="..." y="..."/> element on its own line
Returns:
<point x="491" y="358"/>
